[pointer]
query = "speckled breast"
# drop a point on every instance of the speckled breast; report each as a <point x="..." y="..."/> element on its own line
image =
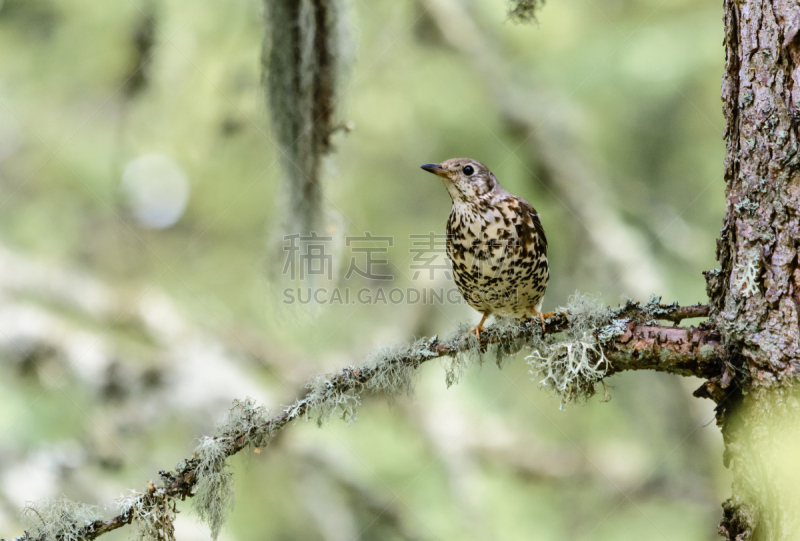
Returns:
<point x="499" y="261"/>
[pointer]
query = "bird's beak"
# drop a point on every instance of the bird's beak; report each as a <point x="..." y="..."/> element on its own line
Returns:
<point x="435" y="168"/>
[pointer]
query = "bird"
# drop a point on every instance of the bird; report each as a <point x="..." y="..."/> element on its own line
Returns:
<point x="496" y="243"/>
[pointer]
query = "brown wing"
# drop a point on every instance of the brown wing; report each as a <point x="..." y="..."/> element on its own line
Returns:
<point x="529" y="225"/>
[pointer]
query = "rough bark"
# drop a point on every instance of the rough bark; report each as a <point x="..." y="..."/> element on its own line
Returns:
<point x="755" y="294"/>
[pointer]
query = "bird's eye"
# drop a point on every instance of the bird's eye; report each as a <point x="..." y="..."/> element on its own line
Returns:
<point x="468" y="170"/>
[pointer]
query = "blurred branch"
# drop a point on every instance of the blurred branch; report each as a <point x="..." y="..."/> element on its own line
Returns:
<point x="301" y="62"/>
<point x="465" y="439"/>
<point x="131" y="351"/>
<point x="143" y="40"/>
<point x="628" y="336"/>
<point x="122" y="342"/>
<point x="382" y="516"/>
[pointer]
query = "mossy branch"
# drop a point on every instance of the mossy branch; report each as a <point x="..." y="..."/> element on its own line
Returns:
<point x="578" y="346"/>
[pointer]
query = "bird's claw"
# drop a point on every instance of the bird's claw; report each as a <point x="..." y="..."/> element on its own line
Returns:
<point x="542" y="318"/>
<point x="477" y="331"/>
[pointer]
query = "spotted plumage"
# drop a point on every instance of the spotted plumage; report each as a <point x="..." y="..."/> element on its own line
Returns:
<point x="495" y="241"/>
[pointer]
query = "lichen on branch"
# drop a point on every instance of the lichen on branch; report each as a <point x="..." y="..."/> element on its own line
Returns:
<point x="58" y="519"/>
<point x="579" y="345"/>
<point x="152" y="513"/>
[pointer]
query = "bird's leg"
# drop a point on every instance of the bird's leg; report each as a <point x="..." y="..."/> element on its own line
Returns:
<point x="477" y="330"/>
<point x="542" y="316"/>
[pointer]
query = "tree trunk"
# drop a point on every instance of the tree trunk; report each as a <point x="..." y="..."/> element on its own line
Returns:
<point x="755" y="295"/>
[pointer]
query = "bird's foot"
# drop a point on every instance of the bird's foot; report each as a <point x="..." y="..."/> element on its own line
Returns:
<point x="542" y="317"/>
<point x="479" y="327"/>
<point x="477" y="331"/>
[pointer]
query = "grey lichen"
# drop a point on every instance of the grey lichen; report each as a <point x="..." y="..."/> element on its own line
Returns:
<point x="746" y="206"/>
<point x="464" y="341"/>
<point x="153" y="514"/>
<point x="514" y="339"/>
<point x="613" y="330"/>
<point x="572" y="364"/>
<point x="654" y="308"/>
<point x="587" y="312"/>
<point x="214" y="497"/>
<point x="454" y="368"/>
<point x="746" y="273"/>
<point x="249" y="419"/>
<point x="326" y="397"/>
<point x="390" y="370"/>
<point x="245" y="426"/>
<point x="58" y="519"/>
<point x="571" y="368"/>
<point x="389" y="373"/>
<point x="524" y="11"/>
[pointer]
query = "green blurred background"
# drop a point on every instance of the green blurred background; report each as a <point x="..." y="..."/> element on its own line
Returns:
<point x="121" y="341"/>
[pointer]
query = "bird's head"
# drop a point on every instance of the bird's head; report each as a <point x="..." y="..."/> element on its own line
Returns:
<point x="466" y="180"/>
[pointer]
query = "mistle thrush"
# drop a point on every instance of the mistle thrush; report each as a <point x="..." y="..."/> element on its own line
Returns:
<point x="495" y="241"/>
